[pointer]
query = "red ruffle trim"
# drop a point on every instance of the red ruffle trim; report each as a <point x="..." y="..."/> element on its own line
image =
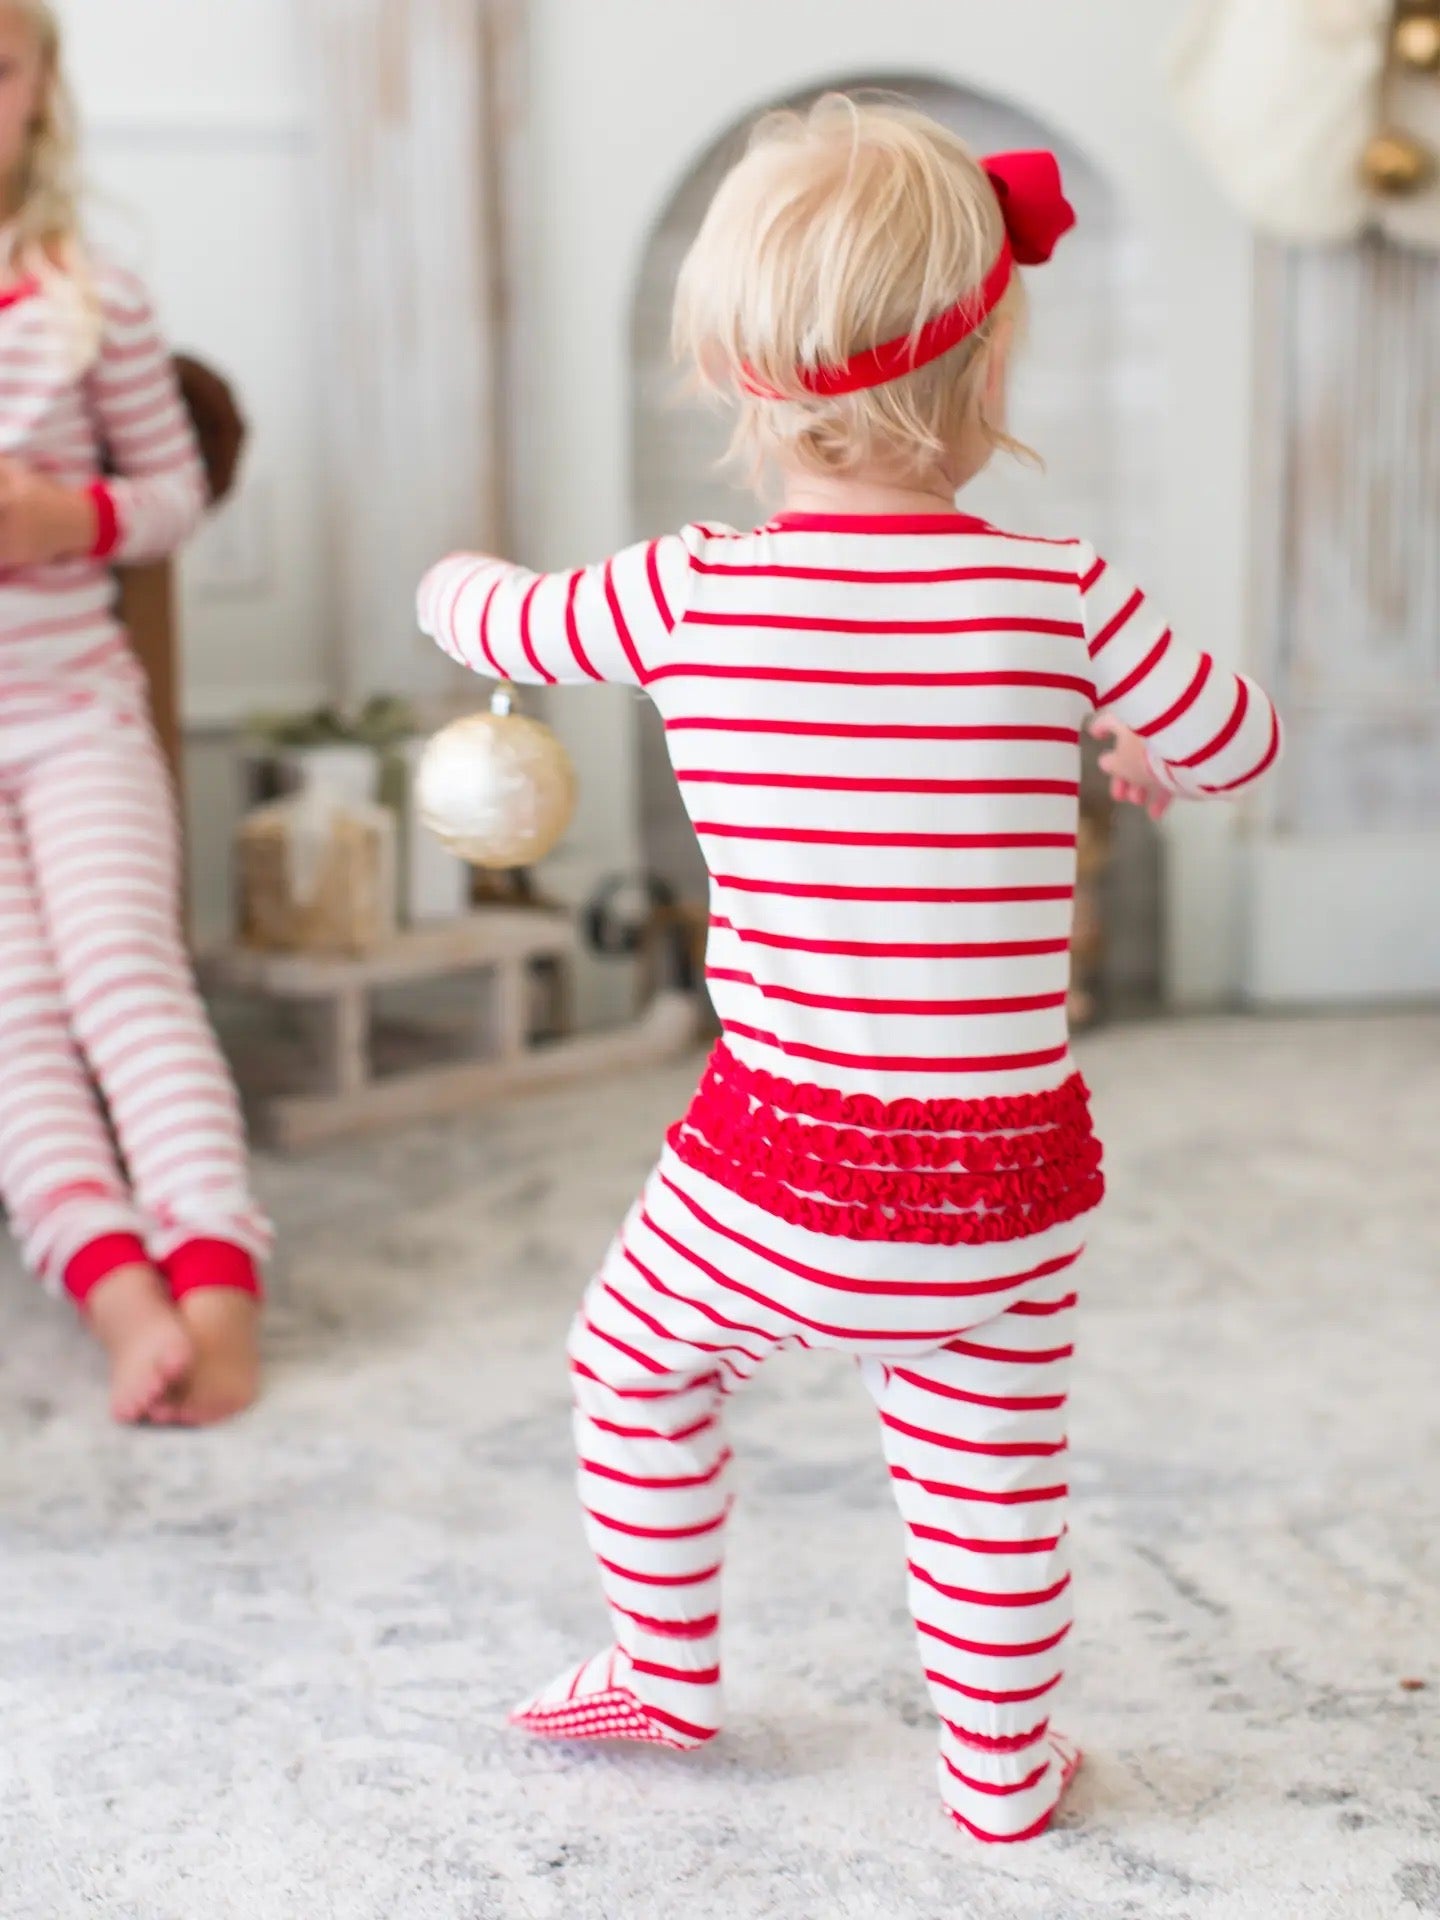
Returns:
<point x="996" y="1113"/>
<point x="943" y="1172"/>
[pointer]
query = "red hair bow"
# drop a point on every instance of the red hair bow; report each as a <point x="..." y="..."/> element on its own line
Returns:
<point x="1036" y="214"/>
<point x="1032" y="201"/>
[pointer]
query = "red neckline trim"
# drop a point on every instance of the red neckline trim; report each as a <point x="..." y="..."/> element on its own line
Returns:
<point x="880" y="523"/>
<point x="22" y="290"/>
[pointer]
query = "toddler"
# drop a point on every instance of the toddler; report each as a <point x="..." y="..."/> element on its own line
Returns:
<point x="98" y="464"/>
<point x="874" y="705"/>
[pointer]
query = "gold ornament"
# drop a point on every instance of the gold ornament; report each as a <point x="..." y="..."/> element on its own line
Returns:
<point x="1395" y="164"/>
<point x="1416" y="41"/>
<point x="497" y="788"/>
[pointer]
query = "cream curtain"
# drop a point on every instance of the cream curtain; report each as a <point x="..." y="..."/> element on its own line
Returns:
<point x="416" y="128"/>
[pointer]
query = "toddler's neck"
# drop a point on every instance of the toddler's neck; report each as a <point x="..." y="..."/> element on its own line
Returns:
<point x="852" y="494"/>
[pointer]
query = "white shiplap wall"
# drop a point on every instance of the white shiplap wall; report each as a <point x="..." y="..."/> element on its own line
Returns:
<point x="199" y="157"/>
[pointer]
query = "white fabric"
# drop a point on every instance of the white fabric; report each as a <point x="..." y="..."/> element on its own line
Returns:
<point x="1281" y="97"/>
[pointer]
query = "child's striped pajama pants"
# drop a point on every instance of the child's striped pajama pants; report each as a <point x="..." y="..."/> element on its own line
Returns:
<point x="969" y="1377"/>
<point x="96" y="990"/>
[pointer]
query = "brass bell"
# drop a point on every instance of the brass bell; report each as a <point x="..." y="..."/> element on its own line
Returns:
<point x="1416" y="41"/>
<point x="1395" y="164"/>
<point x="497" y="788"/>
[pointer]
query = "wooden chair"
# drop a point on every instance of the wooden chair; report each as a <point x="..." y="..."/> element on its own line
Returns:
<point x="147" y="593"/>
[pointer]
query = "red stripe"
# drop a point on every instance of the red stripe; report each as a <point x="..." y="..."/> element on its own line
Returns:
<point x="701" y="1677"/>
<point x="1226" y="734"/>
<point x="844" y="837"/>
<point x="850" y="730"/>
<point x="1043" y="1309"/>
<point x="882" y="577"/>
<point x="656" y="1481"/>
<point x="1041" y="1543"/>
<point x="994" y="1650"/>
<point x="917" y="896"/>
<point x="1001" y="1792"/>
<point x="817" y="623"/>
<point x="838" y="677"/>
<point x="1108" y="632"/>
<point x="996" y="1742"/>
<point x="900" y="1062"/>
<point x="642" y="1393"/>
<point x="649" y="1433"/>
<point x="672" y="1629"/>
<point x="1092" y="576"/>
<point x="525" y="643"/>
<point x="1183" y="704"/>
<point x="632" y="1532"/>
<point x="572" y="629"/>
<point x="1254" y="774"/>
<point x="659" y="1579"/>
<point x="1141" y="673"/>
<point x="1039" y="1357"/>
<point x="990" y="1450"/>
<point x="897" y="949"/>
<point x="985" y="1496"/>
<point x="483" y="630"/>
<point x="991" y="1697"/>
<point x="622" y="632"/>
<point x="844" y="1283"/>
<point x="869" y="523"/>
<point x="677" y="1725"/>
<point x="652" y="569"/>
<point x="835" y="1003"/>
<point x="860" y="783"/>
<point x="630" y="1353"/>
<point x="973" y="1597"/>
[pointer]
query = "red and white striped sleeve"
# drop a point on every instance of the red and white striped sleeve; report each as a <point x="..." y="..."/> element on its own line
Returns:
<point x="156" y="494"/>
<point x="606" y="622"/>
<point x="1210" y="732"/>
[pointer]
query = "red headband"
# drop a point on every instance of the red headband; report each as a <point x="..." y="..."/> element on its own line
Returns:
<point x="1036" y="214"/>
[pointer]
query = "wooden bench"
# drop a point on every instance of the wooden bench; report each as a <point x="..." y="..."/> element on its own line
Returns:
<point x="497" y="953"/>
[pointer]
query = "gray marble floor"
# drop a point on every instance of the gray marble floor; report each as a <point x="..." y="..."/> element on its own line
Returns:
<point x="262" y="1673"/>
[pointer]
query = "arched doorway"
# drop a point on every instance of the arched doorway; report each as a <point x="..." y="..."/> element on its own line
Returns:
<point x="1088" y="395"/>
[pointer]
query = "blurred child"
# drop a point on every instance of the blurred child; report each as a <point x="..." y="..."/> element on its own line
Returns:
<point x="874" y="706"/>
<point x="98" y="465"/>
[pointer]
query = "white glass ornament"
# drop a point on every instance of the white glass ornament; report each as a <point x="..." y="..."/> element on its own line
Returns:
<point x="497" y="788"/>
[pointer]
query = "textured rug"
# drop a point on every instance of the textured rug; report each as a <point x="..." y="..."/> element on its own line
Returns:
<point x="263" y="1673"/>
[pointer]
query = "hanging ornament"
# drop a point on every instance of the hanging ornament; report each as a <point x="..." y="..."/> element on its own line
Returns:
<point x="1395" y="164"/>
<point x="1417" y="42"/>
<point x="497" y="788"/>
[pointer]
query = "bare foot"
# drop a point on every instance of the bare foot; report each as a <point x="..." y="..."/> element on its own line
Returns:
<point x="150" y="1350"/>
<point x="224" y="1328"/>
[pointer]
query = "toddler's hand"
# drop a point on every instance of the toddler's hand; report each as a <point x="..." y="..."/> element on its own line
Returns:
<point x="41" y="520"/>
<point x="1132" y="778"/>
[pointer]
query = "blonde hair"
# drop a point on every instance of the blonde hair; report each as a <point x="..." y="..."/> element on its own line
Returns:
<point x="842" y="227"/>
<point x="47" y="239"/>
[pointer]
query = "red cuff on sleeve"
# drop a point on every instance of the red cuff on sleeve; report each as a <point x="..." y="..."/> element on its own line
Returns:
<point x="210" y="1263"/>
<point x="99" y="1260"/>
<point x="107" y="521"/>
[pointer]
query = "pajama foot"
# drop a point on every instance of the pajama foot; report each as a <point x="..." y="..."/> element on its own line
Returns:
<point x="1068" y="1757"/>
<point x="597" y="1701"/>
